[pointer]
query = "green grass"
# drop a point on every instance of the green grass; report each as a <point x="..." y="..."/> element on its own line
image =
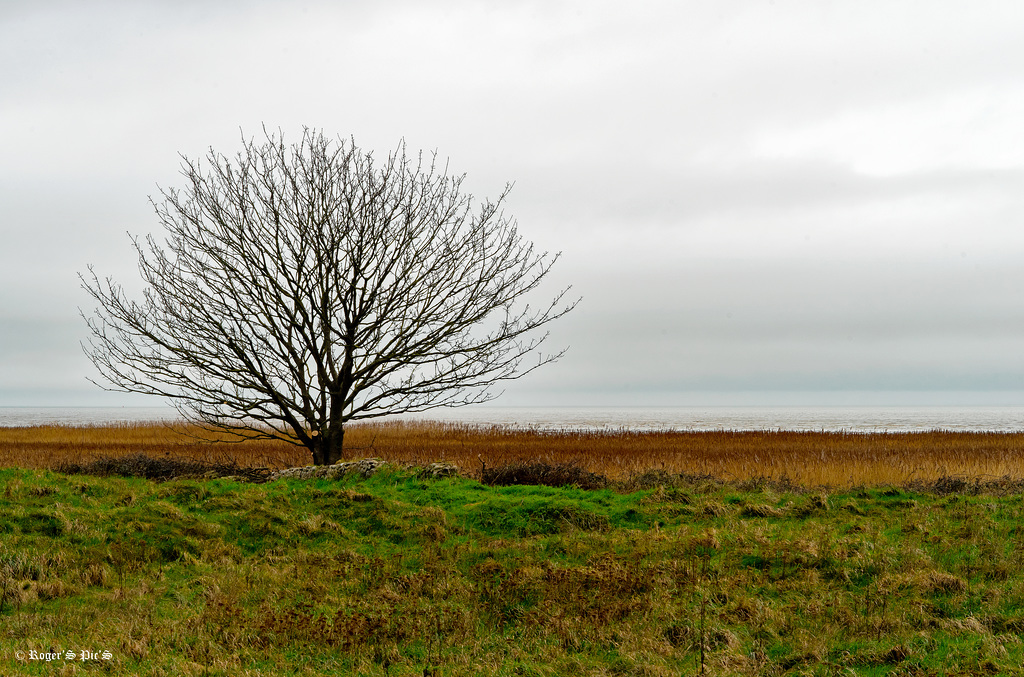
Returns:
<point x="400" y="575"/>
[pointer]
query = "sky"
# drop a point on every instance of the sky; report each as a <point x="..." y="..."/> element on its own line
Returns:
<point x="758" y="201"/>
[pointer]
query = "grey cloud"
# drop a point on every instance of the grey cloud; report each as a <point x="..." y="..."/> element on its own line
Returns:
<point x="796" y="326"/>
<point x="638" y="194"/>
<point x="632" y="134"/>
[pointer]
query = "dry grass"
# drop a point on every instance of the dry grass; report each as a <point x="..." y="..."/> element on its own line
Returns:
<point x="54" y="446"/>
<point x="808" y="458"/>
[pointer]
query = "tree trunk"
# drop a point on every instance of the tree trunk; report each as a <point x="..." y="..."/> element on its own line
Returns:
<point x="328" y="447"/>
<point x="333" y="452"/>
<point x="331" y="440"/>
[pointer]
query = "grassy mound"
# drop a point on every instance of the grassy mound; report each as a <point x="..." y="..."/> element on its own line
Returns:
<point x="402" y="574"/>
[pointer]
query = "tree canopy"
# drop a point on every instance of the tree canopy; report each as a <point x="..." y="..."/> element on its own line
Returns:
<point x="301" y="287"/>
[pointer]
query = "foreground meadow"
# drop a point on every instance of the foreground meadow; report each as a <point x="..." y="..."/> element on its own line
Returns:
<point x="399" y="574"/>
<point x="676" y="563"/>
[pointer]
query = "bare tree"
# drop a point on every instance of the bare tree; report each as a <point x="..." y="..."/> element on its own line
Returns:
<point x="303" y="287"/>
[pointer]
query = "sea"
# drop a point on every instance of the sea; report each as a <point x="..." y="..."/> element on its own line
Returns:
<point x="854" y="419"/>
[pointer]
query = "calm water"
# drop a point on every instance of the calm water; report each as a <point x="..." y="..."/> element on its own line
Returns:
<point x="853" y="419"/>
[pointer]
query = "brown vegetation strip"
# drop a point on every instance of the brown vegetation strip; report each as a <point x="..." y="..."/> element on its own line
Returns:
<point x="807" y="458"/>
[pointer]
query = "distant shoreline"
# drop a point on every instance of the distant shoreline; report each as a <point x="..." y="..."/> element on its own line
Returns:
<point x="975" y="418"/>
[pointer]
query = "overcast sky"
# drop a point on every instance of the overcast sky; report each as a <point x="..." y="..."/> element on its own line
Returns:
<point x="758" y="201"/>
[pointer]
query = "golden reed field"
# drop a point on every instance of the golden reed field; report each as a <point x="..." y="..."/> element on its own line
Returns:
<point x="807" y="458"/>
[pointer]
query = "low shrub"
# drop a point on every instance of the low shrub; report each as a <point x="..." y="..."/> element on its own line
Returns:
<point x="540" y="473"/>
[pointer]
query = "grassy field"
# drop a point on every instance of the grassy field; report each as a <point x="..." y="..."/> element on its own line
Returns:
<point x="404" y="574"/>
<point x="803" y="458"/>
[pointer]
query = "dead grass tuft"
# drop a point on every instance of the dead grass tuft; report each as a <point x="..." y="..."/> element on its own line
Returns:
<point x="761" y="511"/>
<point x="943" y="582"/>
